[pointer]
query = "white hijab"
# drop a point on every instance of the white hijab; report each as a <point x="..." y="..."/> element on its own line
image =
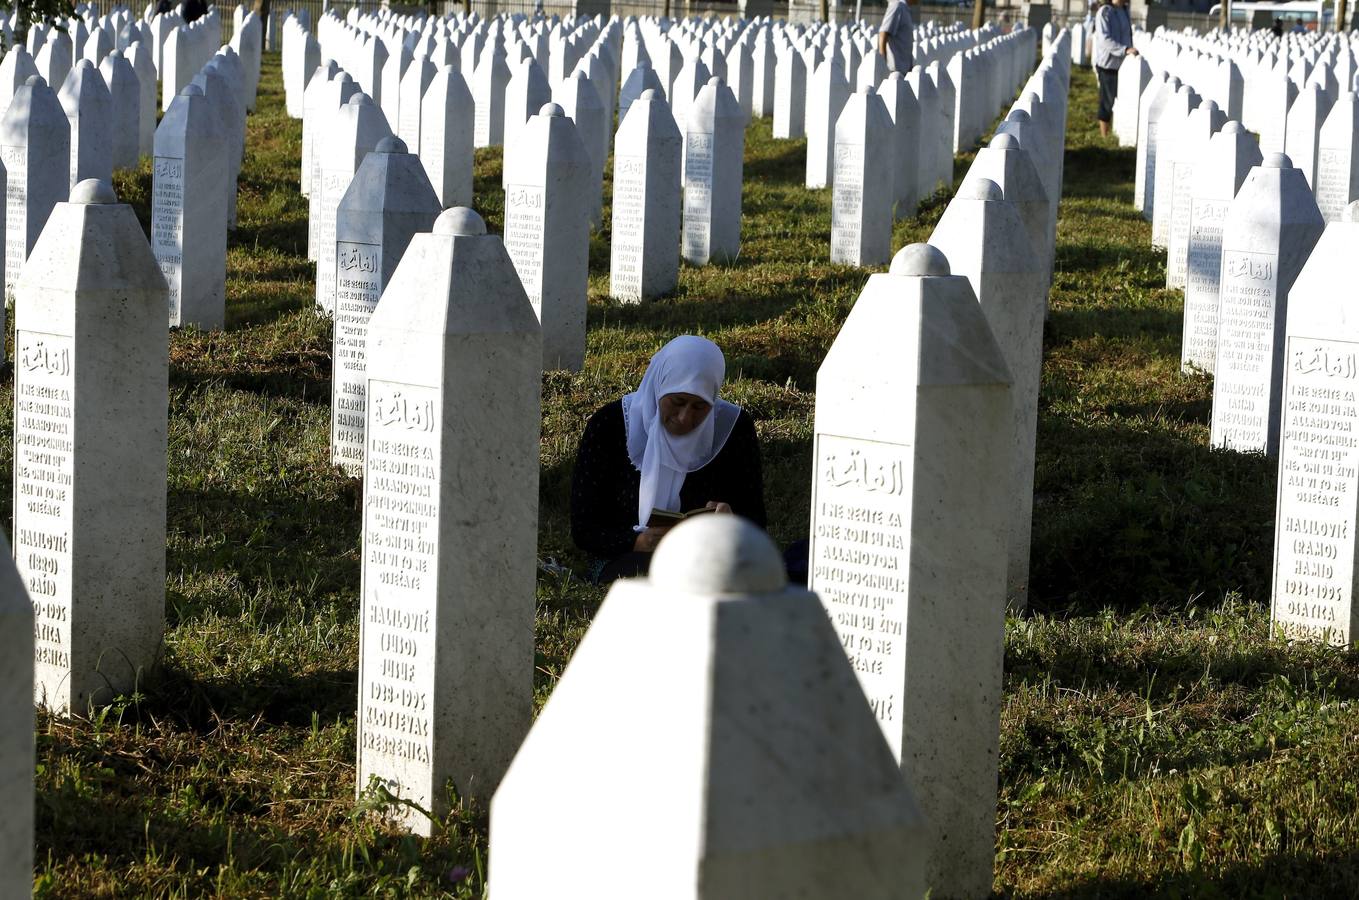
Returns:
<point x="687" y="365"/>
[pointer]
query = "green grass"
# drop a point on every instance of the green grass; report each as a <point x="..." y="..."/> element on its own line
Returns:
<point x="1154" y="740"/>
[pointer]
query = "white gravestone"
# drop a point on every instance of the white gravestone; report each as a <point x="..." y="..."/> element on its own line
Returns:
<point x="412" y="89"/>
<point x="1188" y="147"/>
<point x="908" y="541"/>
<point x="332" y="96"/>
<point x="931" y="120"/>
<point x="577" y="97"/>
<point x="1217" y="176"/>
<point x="91" y="397"/>
<point x="642" y="78"/>
<point x="188" y="210"/>
<point x="901" y="105"/>
<point x="125" y="108"/>
<point x="776" y="785"/>
<point x="1270" y="230"/>
<point x="713" y="171"/>
<point x="790" y="95"/>
<point x="450" y="521"/>
<point x="15" y="70"/>
<point x="525" y="94"/>
<point x="1174" y="116"/>
<point x="1318" y="493"/>
<point x="827" y="93"/>
<point x="489" y="82"/>
<point x="547" y="230"/>
<point x="1337" y="183"/>
<point x="55" y="58"/>
<point x="1134" y="75"/>
<point x="1011" y="167"/>
<point x="446" y="150"/>
<point x="354" y="133"/>
<point x="985" y="239"/>
<point x="1305" y="118"/>
<point x="16" y="731"/>
<point x="388" y="202"/>
<point x="1154" y="100"/>
<point x="217" y="86"/>
<point x="311" y="100"/>
<point x="33" y="134"/>
<point x="861" y="210"/>
<point x="89" y="110"/>
<point x="139" y="56"/>
<point x="644" y="253"/>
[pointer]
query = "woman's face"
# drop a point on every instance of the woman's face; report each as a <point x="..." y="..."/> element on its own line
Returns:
<point x="682" y="413"/>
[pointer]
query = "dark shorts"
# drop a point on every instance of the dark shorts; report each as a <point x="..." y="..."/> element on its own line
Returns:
<point x="1108" y="91"/>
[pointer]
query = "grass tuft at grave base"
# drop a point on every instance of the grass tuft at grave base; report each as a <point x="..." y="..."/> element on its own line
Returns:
<point x="1155" y="741"/>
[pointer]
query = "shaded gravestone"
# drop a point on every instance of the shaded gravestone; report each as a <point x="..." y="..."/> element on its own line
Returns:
<point x="1218" y="174"/>
<point x="125" y="109"/>
<point x="764" y="63"/>
<point x="354" y="133"/>
<point x="1277" y="96"/>
<point x="446" y="149"/>
<point x="577" y="97"/>
<point x="777" y="785"/>
<point x="16" y="731"/>
<point x="411" y="92"/>
<point x="188" y="210"/>
<point x="827" y="93"/>
<point x="1182" y="153"/>
<point x="33" y="133"/>
<point x="312" y="116"/>
<point x="388" y="202"/>
<point x="1174" y="115"/>
<point x="691" y="79"/>
<point x="1318" y="492"/>
<point x="713" y="171"/>
<point x="15" y="70"/>
<point x="450" y="521"/>
<point x="332" y="96"/>
<point x="91" y="395"/>
<point x="942" y="131"/>
<point x="1305" y="118"/>
<point x="900" y="103"/>
<point x="547" y="230"/>
<point x="1270" y="230"/>
<point x="644" y="253"/>
<point x="642" y="78"/>
<point x="139" y="56"/>
<point x="1011" y="167"/>
<point x="906" y="510"/>
<point x="218" y="89"/>
<point x="931" y="118"/>
<point x="55" y="58"/>
<point x="488" y="84"/>
<point x="790" y="95"/>
<point x="1154" y="100"/>
<point x="861" y="210"/>
<point x="986" y="240"/>
<point x="89" y="113"/>
<point x="525" y="94"/>
<point x="1337" y="181"/>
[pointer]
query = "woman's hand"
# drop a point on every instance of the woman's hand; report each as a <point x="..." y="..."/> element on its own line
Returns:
<point x="647" y="540"/>
<point x="718" y="506"/>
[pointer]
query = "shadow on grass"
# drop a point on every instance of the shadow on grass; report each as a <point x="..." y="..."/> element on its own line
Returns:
<point x="1273" y="877"/>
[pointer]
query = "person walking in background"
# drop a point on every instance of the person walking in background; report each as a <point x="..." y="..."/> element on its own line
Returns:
<point x="895" y="37"/>
<point x="1113" y="41"/>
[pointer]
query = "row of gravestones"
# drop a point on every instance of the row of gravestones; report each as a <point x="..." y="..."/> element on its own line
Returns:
<point x="902" y="512"/>
<point x="1263" y="274"/>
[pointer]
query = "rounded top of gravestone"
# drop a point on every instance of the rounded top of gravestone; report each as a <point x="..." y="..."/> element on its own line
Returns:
<point x="1173" y="81"/>
<point x="391" y="144"/>
<point x="981" y="189"/>
<point x="648" y="94"/>
<point x="1350" y="213"/>
<point x="460" y="221"/>
<point x="92" y="190"/>
<point x="33" y="79"/>
<point x="867" y="90"/>
<point x="920" y="260"/>
<point x="360" y="99"/>
<point x="1017" y="115"/>
<point x="1234" y="127"/>
<point x="718" y="554"/>
<point x="551" y="109"/>
<point x="1277" y="161"/>
<point x="716" y="81"/>
<point x="114" y="54"/>
<point x="1004" y="142"/>
<point x="191" y="90"/>
<point x="84" y="64"/>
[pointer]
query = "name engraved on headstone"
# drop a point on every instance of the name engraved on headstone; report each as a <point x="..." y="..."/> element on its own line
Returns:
<point x="1318" y="490"/>
<point x="698" y="200"/>
<point x="357" y="291"/>
<point x="16" y="204"/>
<point x="401" y="514"/>
<point x="859" y="562"/>
<point x="524" y="238"/>
<point x="1245" y="347"/>
<point x="1333" y="182"/>
<point x="1150" y="168"/>
<point x="167" y="225"/>
<point x="1182" y="176"/>
<point x="847" y="202"/>
<point x="333" y="185"/>
<point x="43" y="475"/>
<point x="629" y="223"/>
<point x="1203" y="260"/>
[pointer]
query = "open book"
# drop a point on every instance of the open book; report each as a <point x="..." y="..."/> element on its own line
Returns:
<point x="664" y="518"/>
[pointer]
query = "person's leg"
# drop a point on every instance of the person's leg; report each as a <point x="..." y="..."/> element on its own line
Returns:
<point x="1108" y="92"/>
<point x="629" y="565"/>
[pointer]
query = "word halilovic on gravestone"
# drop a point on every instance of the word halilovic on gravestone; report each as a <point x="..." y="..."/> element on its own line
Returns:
<point x="716" y="142"/>
<point x="1318" y="496"/>
<point x="1271" y="228"/>
<point x="777" y="785"/>
<point x="644" y="256"/>
<point x="861" y="209"/>
<point x="91" y="396"/>
<point x="354" y="132"/>
<point x="188" y="210"/>
<point x="1218" y="175"/>
<point x="33" y="133"/>
<point x="1338" y="158"/>
<point x="446" y="137"/>
<point x="908" y="541"/>
<point x="389" y="201"/>
<point x="449" y="563"/>
<point x="547" y="230"/>
<point x="16" y="731"/>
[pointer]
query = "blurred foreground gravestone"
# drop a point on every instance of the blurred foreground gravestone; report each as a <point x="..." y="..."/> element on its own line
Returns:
<point x="16" y="731"/>
<point x="777" y="781"/>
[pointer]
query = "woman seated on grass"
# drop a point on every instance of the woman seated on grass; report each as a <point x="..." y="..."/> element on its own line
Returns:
<point x="672" y="445"/>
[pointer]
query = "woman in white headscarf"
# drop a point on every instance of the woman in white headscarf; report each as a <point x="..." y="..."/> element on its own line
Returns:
<point x="672" y="445"/>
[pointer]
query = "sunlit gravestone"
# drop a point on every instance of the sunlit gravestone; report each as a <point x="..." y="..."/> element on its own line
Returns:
<point x="16" y="731"/>
<point x="713" y="170"/>
<point x="1217" y="176"/>
<point x="547" y="230"/>
<point x="446" y="137"/>
<point x="861" y="205"/>
<point x="332" y="97"/>
<point x="777" y="784"/>
<point x="644" y="251"/>
<point x="125" y="110"/>
<point x="827" y="93"/>
<point x="1153" y="102"/>
<point x="89" y="111"/>
<point x="353" y="134"/>
<point x="91" y="401"/>
<point x="1269" y="232"/>
<point x="1188" y="147"/>
<point x="1174" y="117"/>
<point x="33" y="133"/>
<point x="1337" y="182"/>
<point x="901" y="105"/>
<point x="450" y="522"/>
<point x="909" y="541"/>
<point x="388" y="202"/>
<point x="1318" y="492"/>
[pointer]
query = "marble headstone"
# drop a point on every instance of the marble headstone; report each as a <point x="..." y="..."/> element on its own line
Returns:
<point x="446" y="149"/>
<point x="16" y="730"/>
<point x="644" y="254"/>
<point x="1337" y="183"/>
<point x="861" y="210"/>
<point x="713" y="171"/>
<point x="33" y="134"/>
<point x="354" y="133"/>
<point x="89" y="112"/>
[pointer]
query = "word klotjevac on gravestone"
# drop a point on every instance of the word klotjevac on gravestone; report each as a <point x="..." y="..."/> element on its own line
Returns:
<point x="1318" y="494"/>
<point x="909" y="541"/>
<point x="90" y="409"/>
<point x="389" y="201"/>
<point x="450" y="521"/>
